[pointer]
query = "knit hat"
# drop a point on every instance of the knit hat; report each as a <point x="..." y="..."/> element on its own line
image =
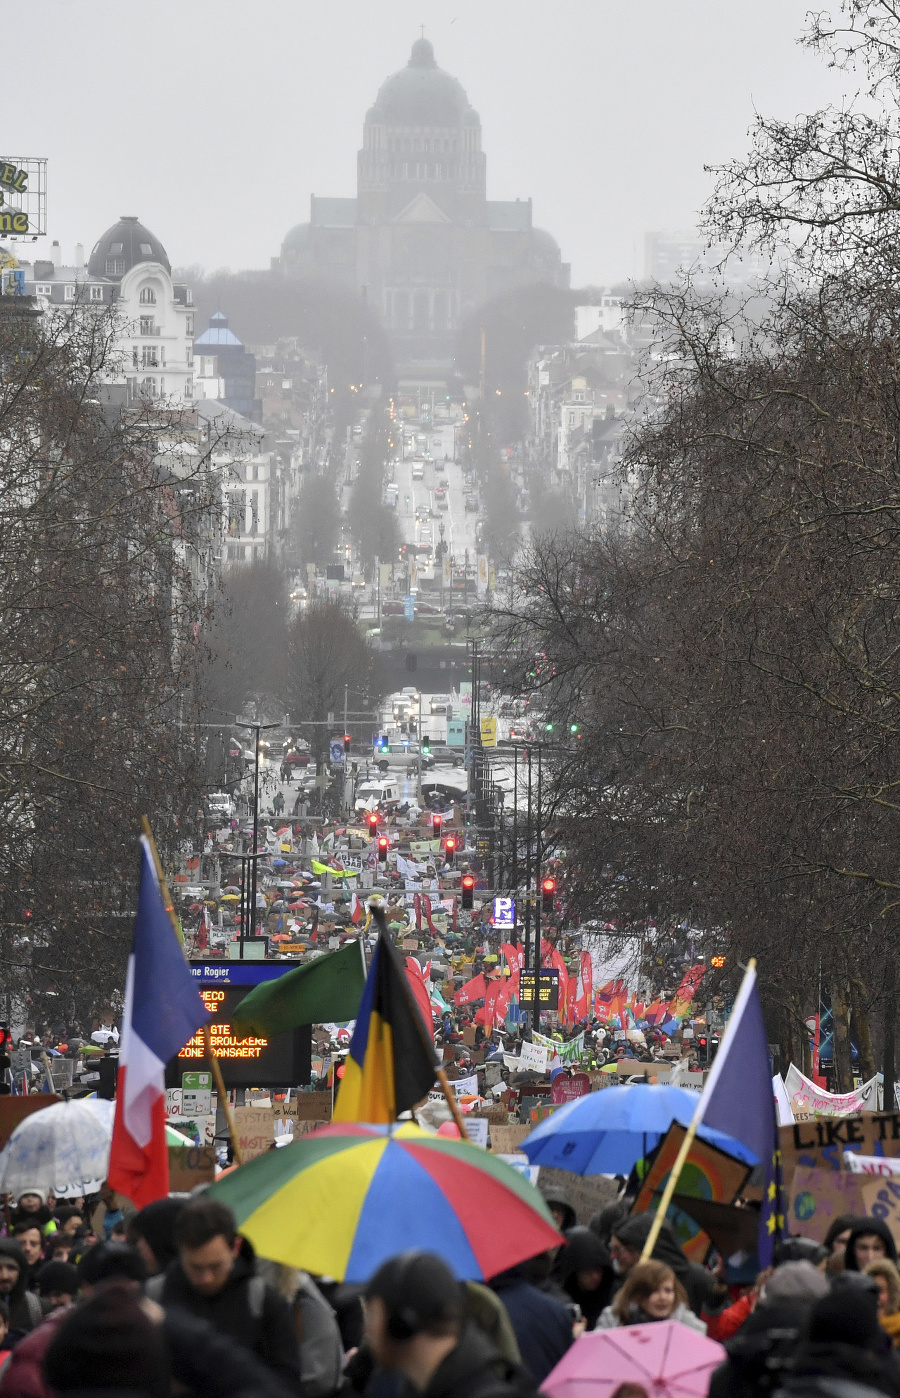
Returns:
<point x="33" y="1189"/>
<point x="108" y="1342"/>
<point x="795" y="1281"/>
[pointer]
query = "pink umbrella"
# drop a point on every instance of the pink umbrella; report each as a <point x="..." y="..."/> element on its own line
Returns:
<point x="667" y="1358"/>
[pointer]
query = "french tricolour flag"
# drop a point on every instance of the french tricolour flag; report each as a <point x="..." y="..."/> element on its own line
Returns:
<point x="163" y="1010"/>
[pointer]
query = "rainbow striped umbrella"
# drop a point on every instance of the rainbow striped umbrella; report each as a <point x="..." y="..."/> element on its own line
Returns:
<point x="341" y="1201"/>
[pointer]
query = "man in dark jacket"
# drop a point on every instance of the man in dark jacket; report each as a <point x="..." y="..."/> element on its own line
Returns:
<point x="215" y="1279"/>
<point x="844" y="1352"/>
<point x="414" y="1327"/>
<point x="542" y="1325"/>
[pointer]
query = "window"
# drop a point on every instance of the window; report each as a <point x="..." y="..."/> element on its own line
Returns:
<point x="146" y="250"/>
<point x="189" y="325"/>
<point x="148" y="388"/>
<point x="162" y="356"/>
<point x="115" y="266"/>
<point x="96" y="293"/>
<point x="134" y="356"/>
<point x="188" y="389"/>
<point x="43" y="290"/>
<point x="116" y="247"/>
<point x="70" y="293"/>
<point x="148" y="296"/>
<point x="189" y="358"/>
<point x="147" y="325"/>
<point x="571" y="419"/>
<point x="149" y="358"/>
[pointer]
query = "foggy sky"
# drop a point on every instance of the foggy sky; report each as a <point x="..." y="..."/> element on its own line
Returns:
<point x="214" y="120"/>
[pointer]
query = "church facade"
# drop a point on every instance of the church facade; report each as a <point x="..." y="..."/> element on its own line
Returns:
<point x="421" y="241"/>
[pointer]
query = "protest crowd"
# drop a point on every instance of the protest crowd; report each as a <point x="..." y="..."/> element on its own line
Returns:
<point x="488" y="1182"/>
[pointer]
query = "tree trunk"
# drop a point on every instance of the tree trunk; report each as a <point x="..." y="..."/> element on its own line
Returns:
<point x="860" y="1022"/>
<point x="890" y="1007"/>
<point x="841" y="1019"/>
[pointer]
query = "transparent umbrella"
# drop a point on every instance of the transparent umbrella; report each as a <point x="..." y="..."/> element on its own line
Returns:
<point x="61" y="1147"/>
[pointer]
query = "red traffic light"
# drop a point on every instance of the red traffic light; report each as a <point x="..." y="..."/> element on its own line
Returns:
<point x="383" y="843"/>
<point x="372" y="821"/>
<point x="548" y="885"/>
<point x="468" y="880"/>
<point x="346" y="742"/>
<point x="436" y="822"/>
<point x="450" y="844"/>
<point x="467" y="884"/>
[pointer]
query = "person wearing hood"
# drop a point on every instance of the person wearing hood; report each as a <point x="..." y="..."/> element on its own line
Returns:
<point x="652" y="1292"/>
<point x="627" y="1244"/>
<point x="31" y="1207"/>
<point x="152" y="1232"/>
<point x="887" y="1279"/>
<point x="24" y="1307"/>
<point x="543" y="1326"/>
<point x="844" y="1350"/>
<point x="869" y="1240"/>
<point x="214" y="1278"/>
<point x="585" y="1273"/>
<point x="763" y="1347"/>
<point x="835" y="1241"/>
<point x="561" y="1209"/>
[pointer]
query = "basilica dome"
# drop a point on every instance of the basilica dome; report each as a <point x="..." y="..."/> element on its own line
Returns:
<point x="421" y="94"/>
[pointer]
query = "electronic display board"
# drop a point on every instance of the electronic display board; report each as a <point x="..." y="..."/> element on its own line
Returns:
<point x="548" y="994"/>
<point x="246" y="1060"/>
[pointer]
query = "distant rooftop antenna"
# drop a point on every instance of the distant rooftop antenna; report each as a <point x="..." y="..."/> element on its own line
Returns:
<point x="422" y="27"/>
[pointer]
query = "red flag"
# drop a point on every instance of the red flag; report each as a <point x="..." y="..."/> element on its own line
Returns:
<point x="515" y="956"/>
<point x="507" y="991"/>
<point x="485" y="1015"/>
<point x="417" y="904"/>
<point x="427" y="901"/>
<point x="356" y="909"/>
<point x="587" y="974"/>
<point x="419" y="989"/>
<point x="471" y="991"/>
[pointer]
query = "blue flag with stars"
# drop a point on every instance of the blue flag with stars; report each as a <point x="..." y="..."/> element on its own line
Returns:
<point x="738" y="1100"/>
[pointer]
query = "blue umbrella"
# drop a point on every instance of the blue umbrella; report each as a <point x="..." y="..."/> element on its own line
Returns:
<point x="608" y="1132"/>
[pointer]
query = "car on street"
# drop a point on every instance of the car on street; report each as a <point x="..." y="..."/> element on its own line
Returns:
<point x="471" y="503"/>
<point x="441" y="752"/>
<point x="296" y="757"/>
<point x="440" y="498"/>
<point x="440" y="703"/>
<point x="418" y="470"/>
<point x="219" y="805"/>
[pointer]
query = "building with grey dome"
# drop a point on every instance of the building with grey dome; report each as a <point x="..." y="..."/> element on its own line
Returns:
<point x="421" y="240"/>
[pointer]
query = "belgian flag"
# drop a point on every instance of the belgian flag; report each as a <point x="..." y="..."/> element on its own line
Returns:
<point x="392" y="1063"/>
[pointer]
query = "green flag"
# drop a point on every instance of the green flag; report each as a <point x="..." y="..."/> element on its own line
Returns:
<point x="328" y="989"/>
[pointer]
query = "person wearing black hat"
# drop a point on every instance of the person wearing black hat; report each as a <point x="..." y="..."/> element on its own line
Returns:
<point x="415" y="1327"/>
<point x="57" y="1285"/>
<point x="583" y="1267"/>
<point x="24" y="1307"/>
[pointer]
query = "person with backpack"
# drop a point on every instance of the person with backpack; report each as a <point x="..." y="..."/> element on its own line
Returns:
<point x="215" y="1278"/>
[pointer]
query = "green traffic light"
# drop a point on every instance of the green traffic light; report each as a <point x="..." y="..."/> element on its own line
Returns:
<point x="573" y="727"/>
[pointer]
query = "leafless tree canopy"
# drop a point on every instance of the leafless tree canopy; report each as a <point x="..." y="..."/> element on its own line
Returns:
<point x="99" y="607"/>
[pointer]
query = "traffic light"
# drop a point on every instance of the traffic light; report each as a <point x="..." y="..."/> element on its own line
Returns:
<point x="450" y="848"/>
<point x="548" y="888"/>
<point x="426" y="745"/>
<point x="5" y="1050"/>
<point x="346" y="744"/>
<point x="702" y="1048"/>
<point x="437" y="821"/>
<point x="381" y="742"/>
<point x="383" y="843"/>
<point x="372" y="822"/>
<point x="468" y="891"/>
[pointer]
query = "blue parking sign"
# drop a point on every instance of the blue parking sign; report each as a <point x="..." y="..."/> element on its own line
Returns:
<point x="504" y="913"/>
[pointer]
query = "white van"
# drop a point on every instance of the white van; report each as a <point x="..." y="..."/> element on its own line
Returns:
<point x="370" y="794"/>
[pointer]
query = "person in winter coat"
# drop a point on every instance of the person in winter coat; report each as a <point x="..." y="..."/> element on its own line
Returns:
<point x="542" y="1325"/>
<point x="584" y="1269"/>
<point x="651" y="1292"/>
<point x="558" y="1203"/>
<point x="887" y="1279"/>
<point x="109" y="1343"/>
<point x="869" y="1240"/>
<point x="215" y="1279"/>
<point x="415" y="1328"/>
<point x="627" y="1244"/>
<point x="843" y="1352"/>
<point x="24" y="1307"/>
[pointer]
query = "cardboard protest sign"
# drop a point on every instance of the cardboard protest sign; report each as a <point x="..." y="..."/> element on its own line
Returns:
<point x="708" y="1172"/>
<point x="505" y="1140"/>
<point x="190" y="1166"/>
<point x="255" y="1127"/>
<point x="820" y="1144"/>
<point x="586" y="1193"/>
<point x="872" y="1164"/>
<point x="566" y="1089"/>
<point x="533" y="1056"/>
<point x="882" y="1199"/>
<point x="816" y="1197"/>
<point x="307" y="1106"/>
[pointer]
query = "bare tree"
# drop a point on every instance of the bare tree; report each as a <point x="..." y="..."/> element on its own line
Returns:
<point x="326" y="652"/>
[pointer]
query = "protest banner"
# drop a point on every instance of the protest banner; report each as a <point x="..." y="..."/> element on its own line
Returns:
<point x="816" y="1197"/>
<point x="708" y="1173"/>
<point x="466" y="1087"/>
<point x="570" y="1052"/>
<point x="190" y="1166"/>
<point x="872" y="1164"/>
<point x="808" y="1099"/>
<point x="586" y="1193"/>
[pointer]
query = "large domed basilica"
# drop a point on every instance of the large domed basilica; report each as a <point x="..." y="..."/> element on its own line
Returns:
<point x="421" y="240"/>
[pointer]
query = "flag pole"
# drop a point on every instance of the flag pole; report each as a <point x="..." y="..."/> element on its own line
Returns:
<point x="675" y="1172"/>
<point x="207" y="1037"/>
